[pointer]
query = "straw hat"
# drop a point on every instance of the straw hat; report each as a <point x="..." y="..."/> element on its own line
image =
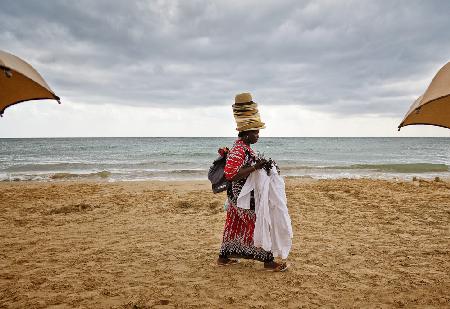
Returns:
<point x="246" y="113"/>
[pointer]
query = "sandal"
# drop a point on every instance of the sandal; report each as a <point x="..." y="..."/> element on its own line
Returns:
<point x="276" y="267"/>
<point x="226" y="261"/>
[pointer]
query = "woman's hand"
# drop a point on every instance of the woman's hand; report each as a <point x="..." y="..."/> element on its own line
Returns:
<point x="260" y="164"/>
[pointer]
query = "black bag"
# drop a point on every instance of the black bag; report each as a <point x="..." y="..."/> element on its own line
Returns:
<point x="216" y="172"/>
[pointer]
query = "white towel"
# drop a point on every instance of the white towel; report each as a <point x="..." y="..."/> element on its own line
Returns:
<point x="273" y="230"/>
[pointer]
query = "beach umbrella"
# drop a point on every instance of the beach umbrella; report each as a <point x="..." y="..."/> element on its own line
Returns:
<point x="433" y="107"/>
<point x="20" y="82"/>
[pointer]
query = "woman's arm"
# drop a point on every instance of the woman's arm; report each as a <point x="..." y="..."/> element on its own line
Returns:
<point x="245" y="171"/>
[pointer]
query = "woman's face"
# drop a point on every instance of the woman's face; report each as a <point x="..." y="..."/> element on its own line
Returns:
<point x="252" y="136"/>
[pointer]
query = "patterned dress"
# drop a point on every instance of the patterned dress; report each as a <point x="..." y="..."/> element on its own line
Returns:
<point x="240" y="224"/>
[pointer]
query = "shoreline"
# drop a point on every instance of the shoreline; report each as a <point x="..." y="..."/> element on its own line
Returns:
<point x="204" y="180"/>
<point x="95" y="244"/>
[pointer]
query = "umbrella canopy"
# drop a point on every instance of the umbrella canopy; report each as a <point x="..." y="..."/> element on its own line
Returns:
<point x="433" y="107"/>
<point x="20" y="82"/>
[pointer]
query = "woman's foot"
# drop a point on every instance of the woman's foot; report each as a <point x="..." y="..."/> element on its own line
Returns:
<point x="226" y="261"/>
<point x="275" y="267"/>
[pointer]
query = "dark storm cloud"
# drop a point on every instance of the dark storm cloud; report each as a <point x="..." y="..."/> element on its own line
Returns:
<point x="344" y="57"/>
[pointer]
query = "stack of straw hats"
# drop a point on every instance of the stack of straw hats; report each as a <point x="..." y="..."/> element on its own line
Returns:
<point x="246" y="113"/>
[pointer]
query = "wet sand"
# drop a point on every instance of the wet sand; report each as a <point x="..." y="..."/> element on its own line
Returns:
<point x="357" y="243"/>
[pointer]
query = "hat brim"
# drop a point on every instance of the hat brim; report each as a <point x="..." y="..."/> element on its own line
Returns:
<point x="252" y="127"/>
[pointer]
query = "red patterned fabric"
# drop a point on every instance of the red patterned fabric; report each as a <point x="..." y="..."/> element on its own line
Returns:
<point x="240" y="224"/>
<point x="236" y="158"/>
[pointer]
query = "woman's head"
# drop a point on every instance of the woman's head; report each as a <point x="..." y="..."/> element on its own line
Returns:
<point x="250" y="136"/>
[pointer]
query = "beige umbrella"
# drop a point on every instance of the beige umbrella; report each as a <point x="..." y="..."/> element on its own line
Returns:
<point x="433" y="107"/>
<point x="20" y="82"/>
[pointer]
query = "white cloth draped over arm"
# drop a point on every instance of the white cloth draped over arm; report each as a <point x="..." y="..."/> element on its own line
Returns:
<point x="281" y="232"/>
<point x="243" y="200"/>
<point x="273" y="230"/>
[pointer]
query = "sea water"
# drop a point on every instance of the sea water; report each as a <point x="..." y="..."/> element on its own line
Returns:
<point x="164" y="158"/>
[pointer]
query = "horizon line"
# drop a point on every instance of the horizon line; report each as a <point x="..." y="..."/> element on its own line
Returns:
<point x="223" y="137"/>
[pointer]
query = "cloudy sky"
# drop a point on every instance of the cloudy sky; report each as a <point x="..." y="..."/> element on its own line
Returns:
<point x="172" y="68"/>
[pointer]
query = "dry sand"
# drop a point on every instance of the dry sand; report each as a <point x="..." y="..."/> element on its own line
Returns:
<point x="357" y="243"/>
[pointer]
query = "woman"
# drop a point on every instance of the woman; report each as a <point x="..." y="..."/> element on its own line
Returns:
<point x="241" y="162"/>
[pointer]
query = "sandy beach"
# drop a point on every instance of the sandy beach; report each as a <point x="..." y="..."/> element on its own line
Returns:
<point x="357" y="243"/>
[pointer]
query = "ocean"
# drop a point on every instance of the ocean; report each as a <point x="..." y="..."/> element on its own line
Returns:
<point x="185" y="158"/>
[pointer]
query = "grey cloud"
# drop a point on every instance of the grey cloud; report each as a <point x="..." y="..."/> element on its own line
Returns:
<point x="332" y="56"/>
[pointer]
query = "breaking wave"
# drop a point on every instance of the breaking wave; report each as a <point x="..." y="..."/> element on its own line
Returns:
<point x="400" y="168"/>
<point x="102" y="174"/>
<point x="169" y="174"/>
<point x="386" y="168"/>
